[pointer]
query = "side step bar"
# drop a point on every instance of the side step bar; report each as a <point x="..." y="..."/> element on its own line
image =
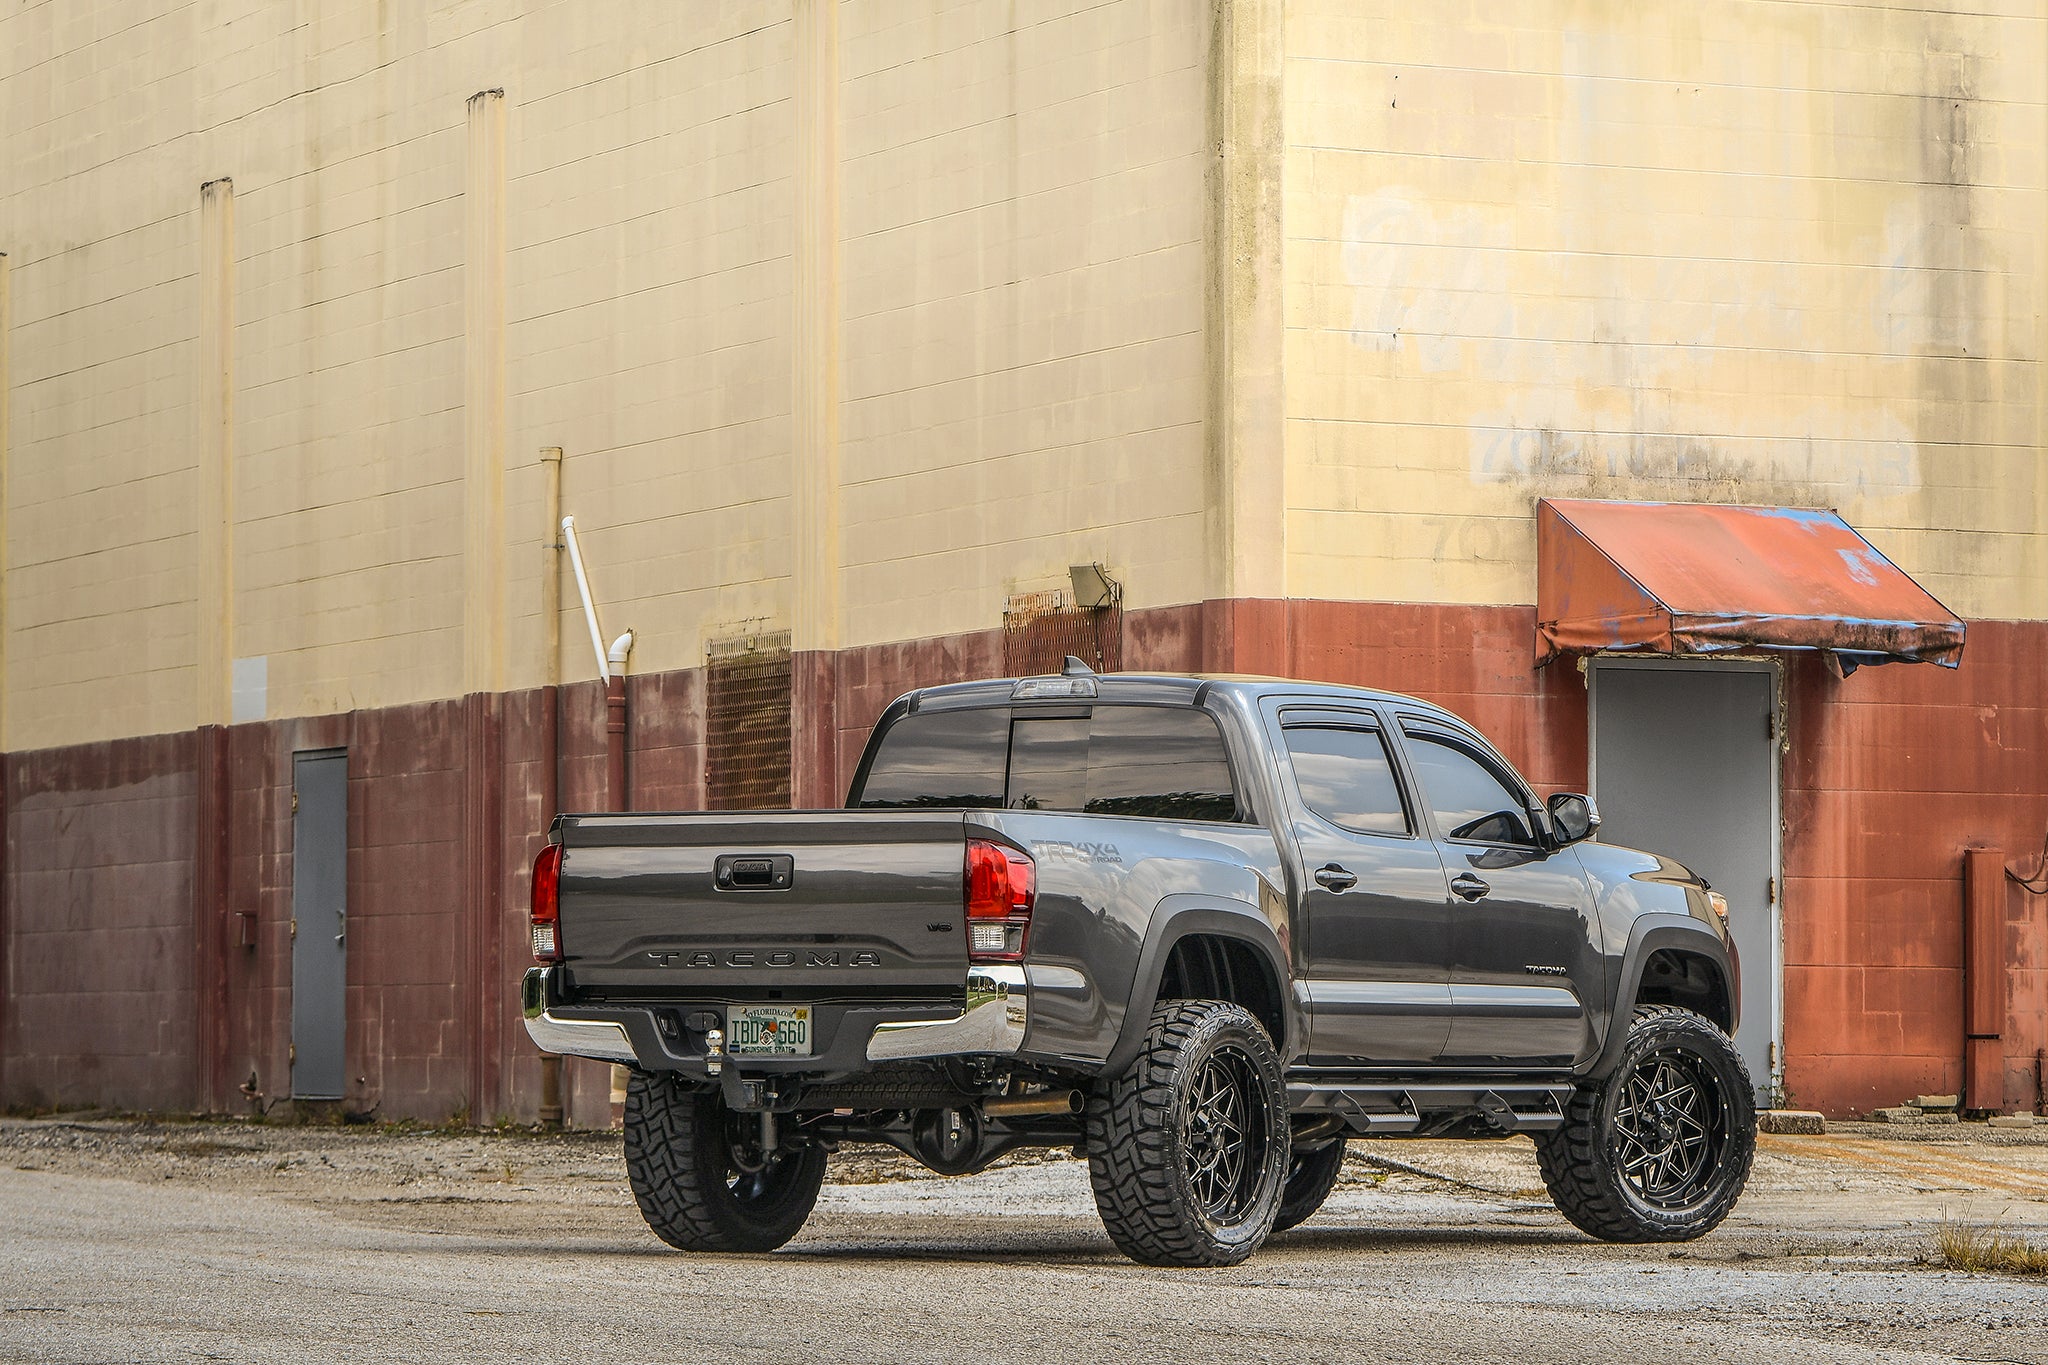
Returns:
<point x="1400" y="1108"/>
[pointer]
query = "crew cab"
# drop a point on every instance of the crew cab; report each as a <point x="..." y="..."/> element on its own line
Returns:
<point x="1199" y="929"/>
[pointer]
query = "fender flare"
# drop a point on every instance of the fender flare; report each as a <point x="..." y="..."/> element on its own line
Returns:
<point x="1175" y="918"/>
<point x="1651" y="932"/>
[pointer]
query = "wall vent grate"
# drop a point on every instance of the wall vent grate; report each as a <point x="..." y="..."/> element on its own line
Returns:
<point x="1040" y="629"/>
<point x="746" y="725"/>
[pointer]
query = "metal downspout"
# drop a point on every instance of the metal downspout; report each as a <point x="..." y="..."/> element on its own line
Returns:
<point x="612" y="668"/>
<point x="551" y="718"/>
<point x="615" y="776"/>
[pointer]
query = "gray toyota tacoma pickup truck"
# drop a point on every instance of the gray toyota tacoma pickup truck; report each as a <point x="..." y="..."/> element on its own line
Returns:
<point x="1198" y="929"/>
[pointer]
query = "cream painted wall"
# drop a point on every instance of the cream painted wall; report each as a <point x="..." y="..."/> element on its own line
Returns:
<point x="1776" y="250"/>
<point x="649" y="320"/>
<point x="647" y="305"/>
<point x="100" y="563"/>
<point x="1023" y="273"/>
<point x="1018" y="301"/>
<point x="341" y="126"/>
<point x="1759" y="251"/>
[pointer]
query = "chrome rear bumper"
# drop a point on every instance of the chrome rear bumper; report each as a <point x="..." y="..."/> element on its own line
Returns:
<point x="998" y="1008"/>
<point x="993" y="1022"/>
<point x="604" y="1039"/>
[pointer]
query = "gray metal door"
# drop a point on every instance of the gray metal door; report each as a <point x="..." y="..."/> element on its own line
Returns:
<point x="1685" y="764"/>
<point x="319" y="923"/>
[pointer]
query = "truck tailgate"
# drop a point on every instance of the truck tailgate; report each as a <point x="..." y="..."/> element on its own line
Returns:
<point x="797" y="905"/>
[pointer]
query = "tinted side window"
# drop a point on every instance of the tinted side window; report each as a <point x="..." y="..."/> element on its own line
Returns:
<point x="940" y="758"/>
<point x="1163" y="762"/>
<point x="1470" y="800"/>
<point x="1346" y="777"/>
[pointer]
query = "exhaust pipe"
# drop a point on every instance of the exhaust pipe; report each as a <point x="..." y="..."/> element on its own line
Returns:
<point x="1023" y="1106"/>
<point x="1317" y="1129"/>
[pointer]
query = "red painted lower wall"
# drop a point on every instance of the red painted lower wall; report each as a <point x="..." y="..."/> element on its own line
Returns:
<point x="1889" y="776"/>
<point x="99" y="996"/>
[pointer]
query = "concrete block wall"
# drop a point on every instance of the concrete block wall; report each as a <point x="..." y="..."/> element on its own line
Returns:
<point x="649" y="311"/>
<point x="434" y="1026"/>
<point x="1021" y="312"/>
<point x="99" y="1004"/>
<point x="1788" y="254"/>
<point x="101" y="576"/>
<point x="1889" y="776"/>
<point x="1775" y="253"/>
<point x="1769" y="253"/>
<point x="1023" y="294"/>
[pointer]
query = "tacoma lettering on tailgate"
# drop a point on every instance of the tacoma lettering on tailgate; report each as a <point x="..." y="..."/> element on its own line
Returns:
<point x="750" y="957"/>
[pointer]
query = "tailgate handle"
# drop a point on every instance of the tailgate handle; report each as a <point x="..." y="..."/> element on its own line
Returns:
<point x="754" y="871"/>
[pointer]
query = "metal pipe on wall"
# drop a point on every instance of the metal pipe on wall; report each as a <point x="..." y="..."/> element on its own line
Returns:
<point x="550" y="717"/>
<point x="615" y="780"/>
<point x="612" y="669"/>
<point x="575" y="549"/>
<point x="615" y="723"/>
<point x="1986" y="979"/>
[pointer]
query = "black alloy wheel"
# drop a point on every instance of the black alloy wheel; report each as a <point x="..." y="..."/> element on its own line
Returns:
<point x="1671" y="1129"/>
<point x="1188" y="1149"/>
<point x="1660" y="1148"/>
<point x="1225" y="1149"/>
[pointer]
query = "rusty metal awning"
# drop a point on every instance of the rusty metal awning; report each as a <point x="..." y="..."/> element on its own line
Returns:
<point x="1692" y="578"/>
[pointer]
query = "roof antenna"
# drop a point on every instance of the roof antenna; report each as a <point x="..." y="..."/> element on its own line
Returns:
<point x="1074" y="668"/>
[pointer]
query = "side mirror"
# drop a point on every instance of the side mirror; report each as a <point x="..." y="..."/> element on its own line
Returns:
<point x="1573" y="817"/>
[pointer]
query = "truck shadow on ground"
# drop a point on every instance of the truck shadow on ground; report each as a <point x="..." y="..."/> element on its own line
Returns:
<point x="1054" y="1248"/>
<point x="1050" y="1247"/>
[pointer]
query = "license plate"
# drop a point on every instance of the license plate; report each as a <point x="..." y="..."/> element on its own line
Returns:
<point x="768" y="1030"/>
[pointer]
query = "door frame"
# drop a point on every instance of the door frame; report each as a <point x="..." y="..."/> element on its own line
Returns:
<point x="1780" y="742"/>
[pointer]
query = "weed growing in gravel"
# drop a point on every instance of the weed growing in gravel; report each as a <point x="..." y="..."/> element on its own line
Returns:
<point x="1966" y="1246"/>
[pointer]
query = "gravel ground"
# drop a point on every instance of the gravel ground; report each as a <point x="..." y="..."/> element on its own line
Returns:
<point x="152" y="1241"/>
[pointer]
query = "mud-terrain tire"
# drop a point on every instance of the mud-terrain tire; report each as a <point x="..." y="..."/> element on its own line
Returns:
<point x="697" y="1185"/>
<point x="1310" y="1178"/>
<point x="1660" y="1149"/>
<point x="1188" y="1149"/>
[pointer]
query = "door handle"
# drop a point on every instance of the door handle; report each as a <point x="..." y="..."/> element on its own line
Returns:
<point x="1468" y="886"/>
<point x="341" y="926"/>
<point x="1336" y="878"/>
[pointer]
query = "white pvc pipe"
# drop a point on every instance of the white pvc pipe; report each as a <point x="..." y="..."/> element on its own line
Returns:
<point x="621" y="647"/>
<point x="589" y="608"/>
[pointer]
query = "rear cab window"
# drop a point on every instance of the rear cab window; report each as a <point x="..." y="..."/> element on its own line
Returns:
<point x="940" y="759"/>
<point x="1161" y="762"/>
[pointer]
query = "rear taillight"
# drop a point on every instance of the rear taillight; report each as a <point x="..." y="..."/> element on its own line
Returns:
<point x="1001" y="885"/>
<point x="547" y="904"/>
